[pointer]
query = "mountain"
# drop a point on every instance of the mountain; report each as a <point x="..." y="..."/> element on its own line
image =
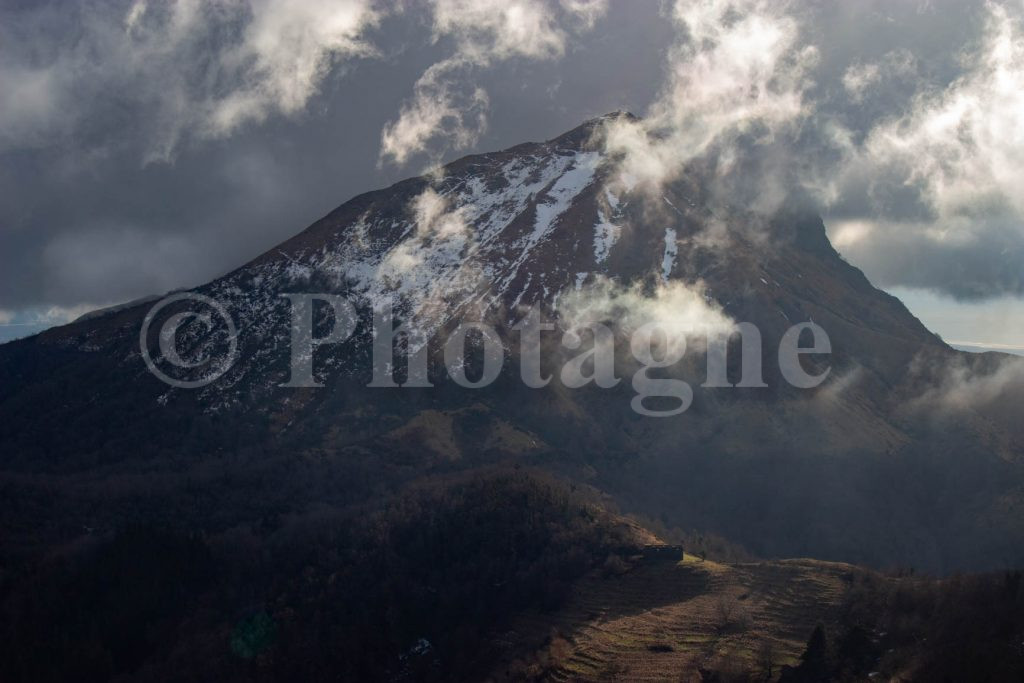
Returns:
<point x="858" y="469"/>
<point x="850" y="471"/>
<point x="270" y="505"/>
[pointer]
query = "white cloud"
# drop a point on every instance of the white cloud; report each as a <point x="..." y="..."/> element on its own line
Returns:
<point x="586" y="12"/>
<point x="285" y="52"/>
<point x="498" y="29"/>
<point x="848" y="234"/>
<point x="921" y="177"/>
<point x="433" y="218"/>
<point x="860" y="78"/>
<point x="446" y="110"/>
<point x="738" y="70"/>
<point x="441" y="236"/>
<point x="438" y="107"/>
<point x="965" y="145"/>
<point x="963" y="388"/>
<point x="945" y="176"/>
<point x="191" y="68"/>
<point x="682" y="311"/>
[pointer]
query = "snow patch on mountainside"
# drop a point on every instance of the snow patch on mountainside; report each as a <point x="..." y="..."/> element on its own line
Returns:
<point x="566" y="188"/>
<point x="668" y="261"/>
<point x="456" y="247"/>
<point x="577" y="175"/>
<point x="606" y="234"/>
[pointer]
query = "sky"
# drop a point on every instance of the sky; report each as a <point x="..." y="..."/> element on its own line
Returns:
<point x="149" y="146"/>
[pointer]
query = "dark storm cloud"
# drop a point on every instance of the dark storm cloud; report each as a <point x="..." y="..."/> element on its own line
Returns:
<point x="148" y="146"/>
<point x="968" y="269"/>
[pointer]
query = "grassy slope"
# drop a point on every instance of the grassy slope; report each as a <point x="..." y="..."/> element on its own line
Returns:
<point x="661" y="621"/>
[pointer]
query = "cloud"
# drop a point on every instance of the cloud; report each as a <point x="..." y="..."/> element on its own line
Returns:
<point x="29" y="104"/>
<point x="440" y="234"/>
<point x="860" y="79"/>
<point x="285" y="52"/>
<point x="499" y="29"/>
<point x="433" y="219"/>
<point x="585" y="12"/>
<point x="738" y="71"/>
<point x="14" y="325"/>
<point x="184" y="69"/>
<point x="439" y="107"/>
<point x="964" y="146"/>
<point x="938" y="187"/>
<point x="899" y="118"/>
<point x="425" y="266"/>
<point x="102" y="260"/>
<point x="683" y="311"/>
<point x="918" y="176"/>
<point x="979" y="387"/>
<point x="60" y="315"/>
<point x="966" y="258"/>
<point x="447" y="111"/>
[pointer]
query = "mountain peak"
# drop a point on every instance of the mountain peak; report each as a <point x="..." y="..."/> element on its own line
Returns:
<point x="583" y="133"/>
